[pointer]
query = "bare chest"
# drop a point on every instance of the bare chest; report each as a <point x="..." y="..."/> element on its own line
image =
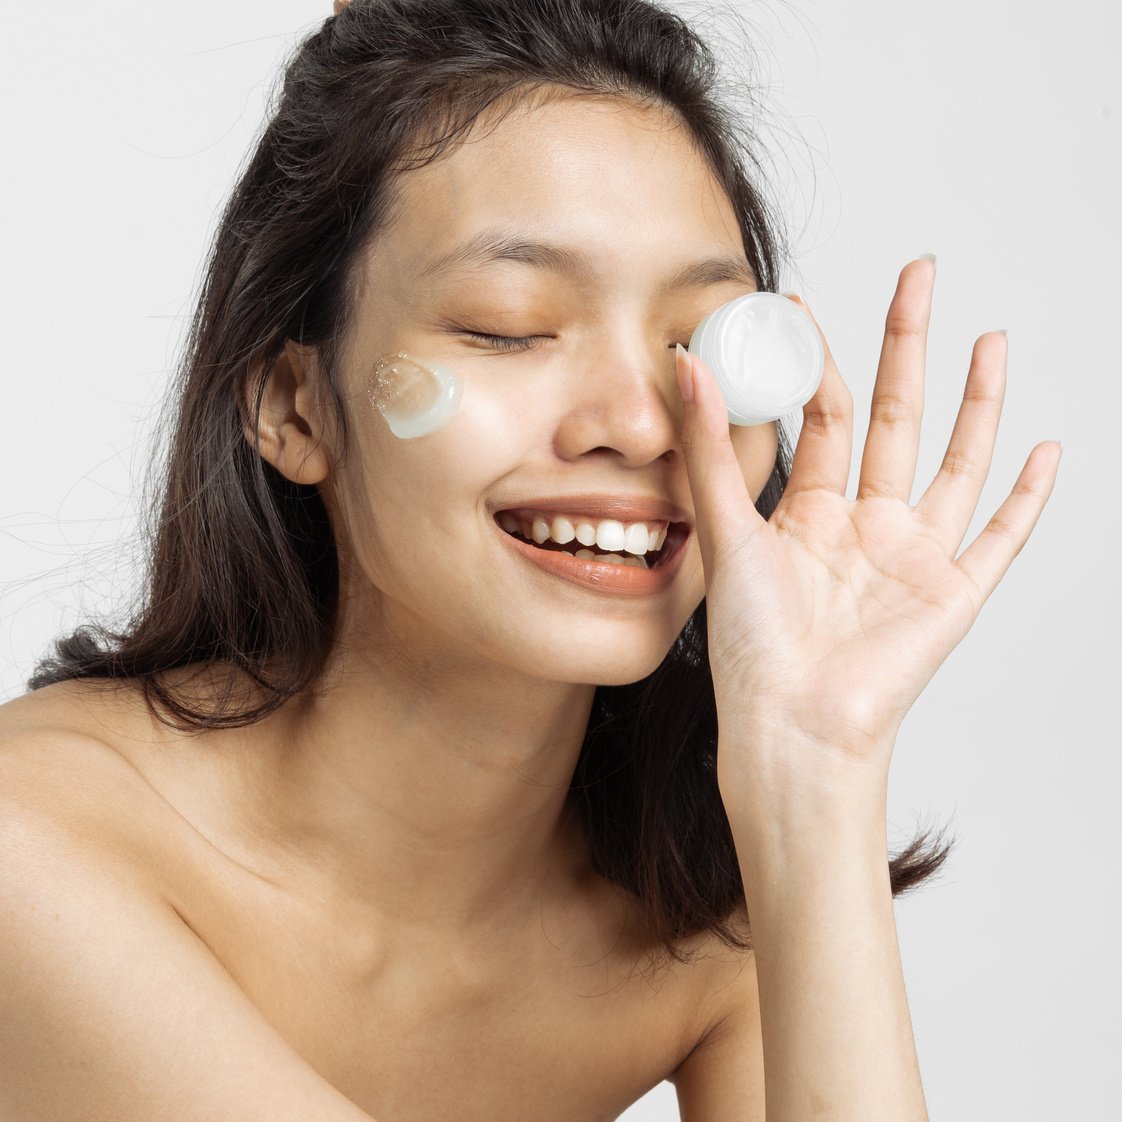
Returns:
<point x="414" y="1028"/>
<point x="562" y="1019"/>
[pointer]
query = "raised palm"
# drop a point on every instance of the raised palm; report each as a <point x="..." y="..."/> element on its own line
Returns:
<point x="829" y="619"/>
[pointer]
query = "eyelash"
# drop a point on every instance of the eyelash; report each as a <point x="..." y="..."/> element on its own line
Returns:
<point x="508" y="342"/>
<point x="512" y="343"/>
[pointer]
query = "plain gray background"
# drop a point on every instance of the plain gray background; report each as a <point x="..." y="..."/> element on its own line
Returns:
<point x="987" y="133"/>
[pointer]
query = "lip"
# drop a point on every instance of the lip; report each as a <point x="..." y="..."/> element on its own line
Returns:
<point x="623" y="508"/>
<point x="600" y="576"/>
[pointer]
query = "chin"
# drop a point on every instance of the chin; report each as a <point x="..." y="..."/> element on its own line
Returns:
<point x="613" y="665"/>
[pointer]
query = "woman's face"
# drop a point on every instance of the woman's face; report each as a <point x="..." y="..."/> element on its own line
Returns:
<point x="591" y="408"/>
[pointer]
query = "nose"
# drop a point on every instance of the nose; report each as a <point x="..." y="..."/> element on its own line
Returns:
<point x="623" y="400"/>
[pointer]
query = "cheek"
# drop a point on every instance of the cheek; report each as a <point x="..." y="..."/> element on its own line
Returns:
<point x="446" y="474"/>
<point x="756" y="447"/>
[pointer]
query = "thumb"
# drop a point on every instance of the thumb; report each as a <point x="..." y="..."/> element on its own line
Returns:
<point x="724" y="512"/>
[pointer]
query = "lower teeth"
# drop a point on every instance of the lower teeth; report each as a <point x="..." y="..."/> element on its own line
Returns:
<point x="612" y="559"/>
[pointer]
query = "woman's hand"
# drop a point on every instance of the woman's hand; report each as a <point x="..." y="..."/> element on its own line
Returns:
<point x="827" y="621"/>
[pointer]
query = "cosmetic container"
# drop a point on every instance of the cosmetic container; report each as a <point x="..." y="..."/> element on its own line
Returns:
<point x="765" y="353"/>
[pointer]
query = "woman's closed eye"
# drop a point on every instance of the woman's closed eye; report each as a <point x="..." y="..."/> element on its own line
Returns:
<point x="508" y="342"/>
<point x="524" y="342"/>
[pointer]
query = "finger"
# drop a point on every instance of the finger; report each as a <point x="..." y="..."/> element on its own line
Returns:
<point x="888" y="462"/>
<point x="340" y="5"/>
<point x="825" y="444"/>
<point x="724" y="512"/>
<point x="991" y="553"/>
<point x="949" y="502"/>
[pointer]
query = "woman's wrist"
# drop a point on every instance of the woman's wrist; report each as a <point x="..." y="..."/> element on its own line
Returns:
<point x="796" y="782"/>
<point x="819" y="902"/>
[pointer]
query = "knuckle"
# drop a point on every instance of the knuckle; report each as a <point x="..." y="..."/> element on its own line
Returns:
<point x="985" y="399"/>
<point x="893" y="409"/>
<point x="688" y="442"/>
<point x="1001" y="527"/>
<point x="956" y="465"/>
<point x="982" y="396"/>
<point x="903" y="325"/>
<point x="695" y="441"/>
<point x="1021" y="487"/>
<point x="877" y="489"/>
<point x="827" y="417"/>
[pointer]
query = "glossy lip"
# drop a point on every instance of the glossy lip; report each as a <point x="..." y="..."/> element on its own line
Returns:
<point x="601" y="576"/>
<point x="622" y="508"/>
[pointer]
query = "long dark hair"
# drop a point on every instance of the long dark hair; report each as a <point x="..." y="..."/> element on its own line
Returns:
<point x="243" y="568"/>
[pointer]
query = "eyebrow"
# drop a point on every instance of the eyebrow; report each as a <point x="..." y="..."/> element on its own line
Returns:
<point x="505" y="245"/>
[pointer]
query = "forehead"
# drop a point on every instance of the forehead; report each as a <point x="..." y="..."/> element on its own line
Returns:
<point x="622" y="181"/>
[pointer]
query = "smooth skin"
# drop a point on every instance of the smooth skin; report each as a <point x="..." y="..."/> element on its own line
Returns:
<point x="343" y="913"/>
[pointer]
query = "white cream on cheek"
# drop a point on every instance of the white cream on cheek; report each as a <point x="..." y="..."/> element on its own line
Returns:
<point x="415" y="396"/>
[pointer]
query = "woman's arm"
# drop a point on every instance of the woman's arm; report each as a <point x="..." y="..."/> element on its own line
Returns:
<point x="113" y="1010"/>
<point x="823" y="984"/>
<point x="825" y="624"/>
<point x="837" y="1035"/>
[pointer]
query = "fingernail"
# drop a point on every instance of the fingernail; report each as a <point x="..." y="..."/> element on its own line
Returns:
<point x="684" y="369"/>
<point x="927" y="257"/>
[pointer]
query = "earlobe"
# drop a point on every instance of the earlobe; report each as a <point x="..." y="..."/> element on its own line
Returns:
<point x="289" y="429"/>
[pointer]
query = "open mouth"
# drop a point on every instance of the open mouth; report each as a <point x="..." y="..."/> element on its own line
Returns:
<point x="641" y="545"/>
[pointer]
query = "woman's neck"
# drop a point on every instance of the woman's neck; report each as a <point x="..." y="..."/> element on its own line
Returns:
<point x="432" y="789"/>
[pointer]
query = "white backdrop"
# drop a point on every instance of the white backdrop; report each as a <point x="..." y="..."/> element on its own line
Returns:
<point x="985" y="132"/>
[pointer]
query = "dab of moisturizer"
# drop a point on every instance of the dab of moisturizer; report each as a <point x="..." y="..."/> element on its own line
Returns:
<point x="415" y="396"/>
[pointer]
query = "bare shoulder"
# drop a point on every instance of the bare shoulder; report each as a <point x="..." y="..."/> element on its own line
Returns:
<point x="722" y="978"/>
<point x="723" y="1073"/>
<point x="60" y="758"/>
<point x="105" y="734"/>
<point x="114" y="1008"/>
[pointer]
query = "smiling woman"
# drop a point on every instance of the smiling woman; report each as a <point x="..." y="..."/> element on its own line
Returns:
<point x="507" y="769"/>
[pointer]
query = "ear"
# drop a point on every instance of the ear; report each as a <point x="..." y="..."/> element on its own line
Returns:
<point x="290" y="427"/>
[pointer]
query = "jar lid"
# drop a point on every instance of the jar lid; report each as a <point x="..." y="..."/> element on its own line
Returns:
<point x="765" y="353"/>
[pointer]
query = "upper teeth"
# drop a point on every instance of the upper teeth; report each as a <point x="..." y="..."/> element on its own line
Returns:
<point x="608" y="534"/>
